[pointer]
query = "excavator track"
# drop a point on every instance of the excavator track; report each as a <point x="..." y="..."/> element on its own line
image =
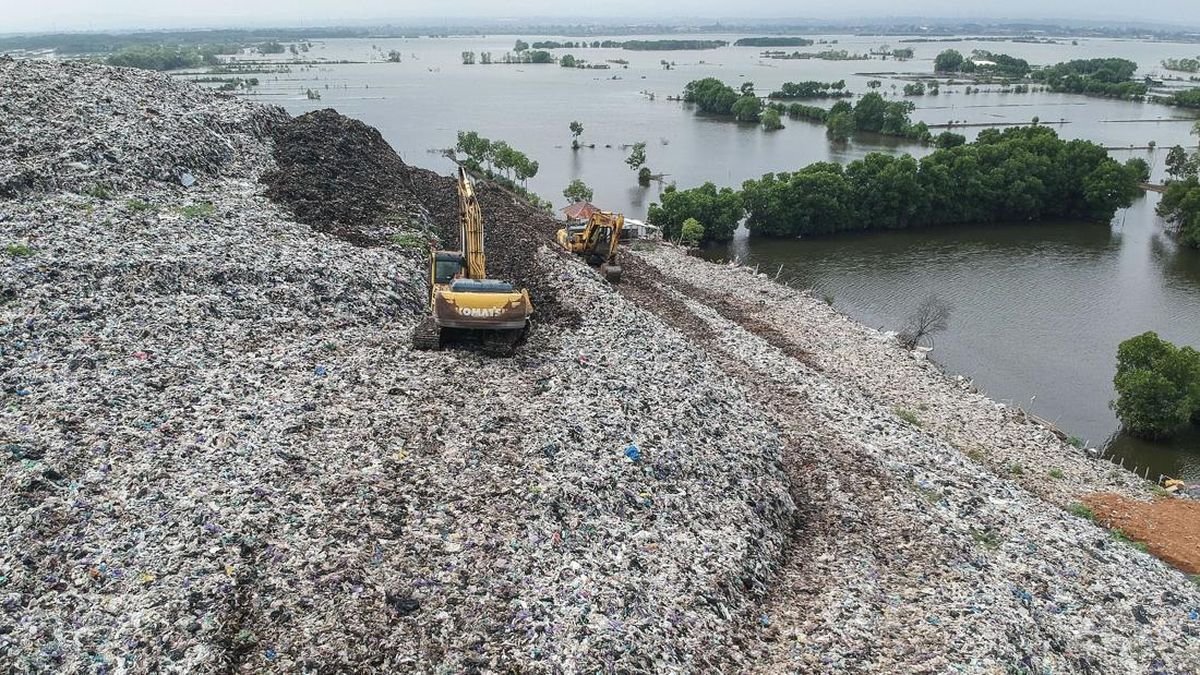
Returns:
<point x="427" y="336"/>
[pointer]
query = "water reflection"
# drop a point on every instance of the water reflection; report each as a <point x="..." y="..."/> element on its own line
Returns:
<point x="1038" y="308"/>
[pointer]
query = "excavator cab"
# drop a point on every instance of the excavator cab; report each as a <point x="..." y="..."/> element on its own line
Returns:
<point x="597" y="242"/>
<point x="463" y="302"/>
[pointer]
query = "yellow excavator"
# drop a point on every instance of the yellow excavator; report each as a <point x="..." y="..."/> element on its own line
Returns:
<point x="597" y="242"/>
<point x="463" y="301"/>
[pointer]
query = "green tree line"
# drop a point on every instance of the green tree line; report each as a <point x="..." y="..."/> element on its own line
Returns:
<point x="777" y="41"/>
<point x="810" y="89"/>
<point x="1182" y="65"/>
<point x="1180" y="205"/>
<point x="1109" y="78"/>
<point x="1020" y="174"/>
<point x="499" y="157"/>
<point x="169" y="57"/>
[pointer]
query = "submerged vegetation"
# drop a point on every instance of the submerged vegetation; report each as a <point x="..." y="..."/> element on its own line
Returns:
<point x="776" y="41"/>
<point x="1158" y="386"/>
<point x="1020" y="174"/>
<point x="1109" y="78"/>
<point x="1180" y="205"/>
<point x="811" y="89"/>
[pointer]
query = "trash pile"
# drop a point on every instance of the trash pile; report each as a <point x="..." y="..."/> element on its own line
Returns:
<point x="69" y="127"/>
<point x="339" y="175"/>
<point x="918" y="555"/>
<point x="219" y="452"/>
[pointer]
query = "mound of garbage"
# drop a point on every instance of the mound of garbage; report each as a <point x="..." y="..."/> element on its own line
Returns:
<point x="68" y="126"/>
<point x="220" y="453"/>
<point x="339" y="175"/>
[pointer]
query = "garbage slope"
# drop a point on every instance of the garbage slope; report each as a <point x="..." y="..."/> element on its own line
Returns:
<point x="220" y="454"/>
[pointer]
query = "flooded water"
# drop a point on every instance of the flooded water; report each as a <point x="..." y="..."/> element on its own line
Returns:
<point x="1038" y="309"/>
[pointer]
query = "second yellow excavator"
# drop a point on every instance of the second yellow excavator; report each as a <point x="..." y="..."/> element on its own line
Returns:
<point x="462" y="299"/>
<point x="597" y="242"/>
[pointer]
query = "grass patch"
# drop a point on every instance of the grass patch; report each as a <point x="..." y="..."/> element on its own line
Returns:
<point x="1195" y="578"/>
<point x="1056" y="473"/>
<point x="986" y="539"/>
<point x="100" y="191"/>
<point x="1120" y="536"/>
<point x="1016" y="469"/>
<point x="1082" y="511"/>
<point x="330" y="346"/>
<point x="18" y="250"/>
<point x="1159" y="491"/>
<point x="1075" y="441"/>
<point x="932" y="495"/>
<point x="908" y="416"/>
<point x="408" y="239"/>
<point x="198" y="210"/>
<point x="140" y="206"/>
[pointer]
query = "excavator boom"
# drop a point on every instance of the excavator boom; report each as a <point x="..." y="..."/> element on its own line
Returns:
<point x="471" y="222"/>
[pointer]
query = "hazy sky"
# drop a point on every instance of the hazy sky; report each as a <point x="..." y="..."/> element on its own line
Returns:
<point x="41" y="15"/>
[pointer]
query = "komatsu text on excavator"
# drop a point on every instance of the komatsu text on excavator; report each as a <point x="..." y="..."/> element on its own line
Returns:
<point x="465" y="303"/>
<point x="596" y="242"/>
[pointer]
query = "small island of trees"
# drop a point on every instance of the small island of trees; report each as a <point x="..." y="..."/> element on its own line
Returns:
<point x="1020" y="174"/>
<point x="1109" y="78"/>
<point x="777" y="41"/>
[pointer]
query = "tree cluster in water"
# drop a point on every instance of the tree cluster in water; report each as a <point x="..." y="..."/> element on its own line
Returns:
<point x="1158" y="386"/>
<point x="1180" y="205"/>
<point x="1020" y="174"/>
<point x="1110" y="78"/>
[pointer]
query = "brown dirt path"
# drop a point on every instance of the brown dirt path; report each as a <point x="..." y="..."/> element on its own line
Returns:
<point x="1170" y="528"/>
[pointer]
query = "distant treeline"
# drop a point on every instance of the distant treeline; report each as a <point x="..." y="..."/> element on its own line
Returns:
<point x="982" y="62"/>
<point x="773" y="42"/>
<point x="167" y="57"/>
<point x="1109" y="78"/>
<point x="107" y="43"/>
<point x="671" y="45"/>
<point x="1184" y="99"/>
<point x="1019" y="174"/>
<point x="810" y="89"/>
<point x="826" y="55"/>
<point x="872" y="113"/>
<point x="632" y="45"/>
<point x="1182" y="65"/>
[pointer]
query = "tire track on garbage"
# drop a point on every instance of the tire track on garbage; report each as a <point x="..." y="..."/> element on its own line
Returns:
<point x="826" y="542"/>
<point x="909" y="557"/>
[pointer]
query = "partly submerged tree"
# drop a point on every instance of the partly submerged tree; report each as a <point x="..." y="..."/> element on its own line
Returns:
<point x="1158" y="386"/>
<point x="691" y="233"/>
<point x="637" y="156"/>
<point x="770" y="120"/>
<point x="578" y="191"/>
<point x="576" y="131"/>
<point x="930" y="317"/>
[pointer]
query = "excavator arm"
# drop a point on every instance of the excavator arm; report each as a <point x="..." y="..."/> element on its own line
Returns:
<point x="471" y="222"/>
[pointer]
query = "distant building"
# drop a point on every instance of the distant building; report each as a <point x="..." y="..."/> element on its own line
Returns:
<point x="580" y="211"/>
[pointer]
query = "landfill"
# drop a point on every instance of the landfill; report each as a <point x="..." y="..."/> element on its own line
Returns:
<point x="221" y="454"/>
